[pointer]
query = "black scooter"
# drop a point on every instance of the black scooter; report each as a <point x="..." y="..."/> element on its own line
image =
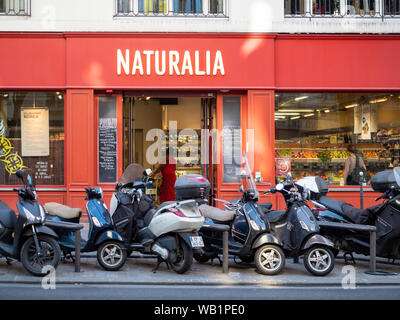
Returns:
<point x="250" y="236"/>
<point x="298" y="231"/>
<point x="25" y="238"/>
<point x="385" y="216"/>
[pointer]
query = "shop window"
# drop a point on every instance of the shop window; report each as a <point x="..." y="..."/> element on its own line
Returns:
<point x="392" y="7"/>
<point x="360" y="7"/>
<point x="216" y="6"/>
<point x="232" y="139"/>
<point x="212" y="8"/>
<point x="32" y="136"/>
<point x="294" y="7"/>
<point x="153" y="6"/>
<point x="313" y="132"/>
<point x="15" y="7"/>
<point x="326" y="7"/>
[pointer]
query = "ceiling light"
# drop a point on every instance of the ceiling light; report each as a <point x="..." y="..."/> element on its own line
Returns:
<point x="280" y="117"/>
<point x="352" y="105"/>
<point x="378" y="100"/>
<point x="301" y="98"/>
<point x="295" y="110"/>
<point x="147" y="98"/>
<point x="294" y="118"/>
<point x="308" y="115"/>
<point x="287" y="113"/>
<point x="327" y="111"/>
<point x="5" y="95"/>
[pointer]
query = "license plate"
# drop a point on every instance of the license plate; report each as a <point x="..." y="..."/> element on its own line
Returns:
<point x="197" y="242"/>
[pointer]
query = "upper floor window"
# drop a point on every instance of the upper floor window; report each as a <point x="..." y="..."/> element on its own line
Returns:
<point x="341" y="8"/>
<point x="215" y="8"/>
<point x="15" y="7"/>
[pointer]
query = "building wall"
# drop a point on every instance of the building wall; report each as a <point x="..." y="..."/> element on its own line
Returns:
<point x="266" y="16"/>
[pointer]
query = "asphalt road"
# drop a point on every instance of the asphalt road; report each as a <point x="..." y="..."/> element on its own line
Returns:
<point x="157" y="292"/>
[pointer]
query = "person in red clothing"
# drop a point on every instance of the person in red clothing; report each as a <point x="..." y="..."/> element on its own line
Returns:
<point x="167" y="189"/>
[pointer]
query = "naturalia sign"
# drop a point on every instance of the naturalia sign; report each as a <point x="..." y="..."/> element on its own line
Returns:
<point x="170" y="62"/>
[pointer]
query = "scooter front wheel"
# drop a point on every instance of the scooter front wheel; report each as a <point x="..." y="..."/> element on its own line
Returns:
<point x="181" y="259"/>
<point x="319" y="260"/>
<point x="111" y="255"/>
<point x="269" y="259"/>
<point x="39" y="263"/>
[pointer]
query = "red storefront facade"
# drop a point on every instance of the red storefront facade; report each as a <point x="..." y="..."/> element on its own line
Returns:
<point x="86" y="66"/>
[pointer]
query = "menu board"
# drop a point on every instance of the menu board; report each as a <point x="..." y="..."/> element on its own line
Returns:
<point x="232" y="139"/>
<point x="35" y="132"/>
<point x="107" y="139"/>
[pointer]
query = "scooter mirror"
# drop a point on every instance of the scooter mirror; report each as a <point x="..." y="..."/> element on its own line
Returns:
<point x="279" y="187"/>
<point x="396" y="172"/>
<point x="20" y="174"/>
<point x="243" y="174"/>
<point x="241" y="188"/>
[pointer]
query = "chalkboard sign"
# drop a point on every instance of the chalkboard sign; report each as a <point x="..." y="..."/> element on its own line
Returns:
<point x="232" y="139"/>
<point x="107" y="139"/>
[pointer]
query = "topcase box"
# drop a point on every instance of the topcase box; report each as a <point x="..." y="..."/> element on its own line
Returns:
<point x="383" y="181"/>
<point x="192" y="186"/>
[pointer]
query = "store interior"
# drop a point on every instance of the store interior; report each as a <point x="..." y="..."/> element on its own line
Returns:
<point x="145" y="113"/>
<point x="314" y="130"/>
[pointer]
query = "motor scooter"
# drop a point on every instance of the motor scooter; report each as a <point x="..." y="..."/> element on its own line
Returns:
<point x="298" y="231"/>
<point x="26" y="238"/>
<point x="385" y="216"/>
<point x="250" y="237"/>
<point x="169" y="231"/>
<point x="102" y="236"/>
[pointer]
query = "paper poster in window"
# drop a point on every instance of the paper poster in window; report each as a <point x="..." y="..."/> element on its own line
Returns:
<point x="374" y="117"/>
<point x="35" y="132"/>
<point x="357" y="119"/>
<point x="366" y="122"/>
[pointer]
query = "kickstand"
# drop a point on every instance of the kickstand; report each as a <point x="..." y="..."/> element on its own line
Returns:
<point x="9" y="261"/>
<point x="296" y="259"/>
<point x="349" y="258"/>
<point x="159" y="261"/>
<point x="68" y="256"/>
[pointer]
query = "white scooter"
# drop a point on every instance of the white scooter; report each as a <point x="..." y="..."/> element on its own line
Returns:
<point x="170" y="231"/>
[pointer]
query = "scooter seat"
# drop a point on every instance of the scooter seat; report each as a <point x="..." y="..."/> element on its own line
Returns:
<point x="216" y="214"/>
<point x="62" y="211"/>
<point x="275" y="215"/>
<point x="265" y="206"/>
<point x="332" y="204"/>
<point x="8" y="217"/>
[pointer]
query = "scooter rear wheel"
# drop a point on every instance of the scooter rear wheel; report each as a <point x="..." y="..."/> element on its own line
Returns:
<point x="269" y="259"/>
<point x="50" y="255"/>
<point x="111" y="255"/>
<point x="319" y="260"/>
<point x="182" y="258"/>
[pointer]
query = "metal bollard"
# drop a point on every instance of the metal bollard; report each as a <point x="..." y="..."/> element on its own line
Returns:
<point x="77" y="250"/>
<point x="361" y="190"/>
<point x="372" y="251"/>
<point x="225" y="252"/>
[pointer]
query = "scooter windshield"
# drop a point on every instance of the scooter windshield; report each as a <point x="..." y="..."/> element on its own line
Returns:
<point x="396" y="172"/>
<point x="132" y="173"/>
<point x="250" y="182"/>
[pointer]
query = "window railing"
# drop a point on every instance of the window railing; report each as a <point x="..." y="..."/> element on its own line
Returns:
<point x="342" y="8"/>
<point x="174" y="8"/>
<point x="15" y="7"/>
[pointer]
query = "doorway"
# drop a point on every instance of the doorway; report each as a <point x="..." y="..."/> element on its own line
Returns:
<point x="191" y="115"/>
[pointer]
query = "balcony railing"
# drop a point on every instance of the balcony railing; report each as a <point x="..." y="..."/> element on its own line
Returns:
<point x="15" y="7"/>
<point x="171" y="8"/>
<point x="342" y="9"/>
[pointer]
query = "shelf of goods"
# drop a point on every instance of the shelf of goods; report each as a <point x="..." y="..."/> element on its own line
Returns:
<point x="328" y="160"/>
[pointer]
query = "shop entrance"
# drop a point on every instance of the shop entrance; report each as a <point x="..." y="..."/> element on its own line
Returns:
<point x="182" y="121"/>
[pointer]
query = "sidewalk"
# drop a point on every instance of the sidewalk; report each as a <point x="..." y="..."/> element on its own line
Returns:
<point x="138" y="271"/>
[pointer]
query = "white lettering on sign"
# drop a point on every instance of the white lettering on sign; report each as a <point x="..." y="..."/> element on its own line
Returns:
<point x="142" y="62"/>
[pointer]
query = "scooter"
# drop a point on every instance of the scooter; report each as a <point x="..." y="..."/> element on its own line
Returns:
<point x="298" y="231"/>
<point x="250" y="238"/>
<point x="26" y="238"/>
<point x="102" y="237"/>
<point x="385" y="216"/>
<point x="170" y="231"/>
